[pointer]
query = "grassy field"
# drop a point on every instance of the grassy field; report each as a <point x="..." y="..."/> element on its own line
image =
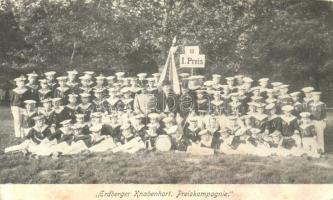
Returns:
<point x="156" y="167"/>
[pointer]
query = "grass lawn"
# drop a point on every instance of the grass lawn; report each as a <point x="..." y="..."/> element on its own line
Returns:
<point x="156" y="167"/>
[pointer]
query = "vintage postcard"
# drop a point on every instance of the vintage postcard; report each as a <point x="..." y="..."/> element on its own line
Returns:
<point x="166" y="99"/>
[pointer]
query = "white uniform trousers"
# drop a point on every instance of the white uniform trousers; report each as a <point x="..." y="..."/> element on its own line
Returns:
<point x="17" y="117"/>
<point x="320" y="130"/>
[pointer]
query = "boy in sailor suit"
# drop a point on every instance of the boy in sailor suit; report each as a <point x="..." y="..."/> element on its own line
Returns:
<point x="50" y="77"/>
<point x="127" y="99"/>
<point x="138" y="127"/>
<point x="152" y="89"/>
<point x="142" y="79"/>
<point x="230" y="84"/>
<point x="151" y="135"/>
<point x="243" y="98"/>
<point x="62" y="91"/>
<point x="289" y="129"/>
<point x="318" y="115"/>
<point x="110" y="81"/>
<point x="263" y="86"/>
<point x="72" y="107"/>
<point x="273" y="126"/>
<point x="79" y="121"/>
<point x="134" y="86"/>
<point x="239" y="80"/>
<point x="191" y="131"/>
<point x="270" y="97"/>
<point x="60" y="113"/>
<point x="308" y="134"/>
<point x="72" y="82"/>
<point x="236" y="107"/>
<point x="276" y="90"/>
<point x="307" y="98"/>
<point x="298" y="107"/>
<point x="48" y="112"/>
<point x="284" y="98"/>
<point x="247" y="85"/>
<point x="173" y="130"/>
<point x="85" y="107"/>
<point x="85" y="85"/>
<point x="44" y="92"/>
<point x="231" y="135"/>
<point x="216" y="82"/>
<point x="129" y="143"/>
<point x="33" y="86"/>
<point x="217" y="105"/>
<point x="260" y="118"/>
<point x="35" y="136"/>
<point x="99" y="102"/>
<point x="30" y="112"/>
<point x="203" y="104"/>
<point x="100" y="85"/>
<point x="17" y="98"/>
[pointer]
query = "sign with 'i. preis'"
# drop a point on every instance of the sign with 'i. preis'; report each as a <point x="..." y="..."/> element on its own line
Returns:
<point x="192" y="58"/>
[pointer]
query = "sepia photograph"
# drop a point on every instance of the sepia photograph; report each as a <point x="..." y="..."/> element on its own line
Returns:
<point x="166" y="92"/>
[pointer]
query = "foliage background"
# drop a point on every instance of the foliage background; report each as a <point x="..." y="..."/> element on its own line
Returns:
<point x="285" y="40"/>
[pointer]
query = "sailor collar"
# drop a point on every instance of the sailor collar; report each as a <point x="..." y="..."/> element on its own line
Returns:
<point x="260" y="117"/>
<point x="213" y="130"/>
<point x="193" y="129"/>
<point x="63" y="89"/>
<point x="271" y="117"/>
<point x="306" y="99"/>
<point x="85" y="106"/>
<point x="68" y="132"/>
<point x="200" y="101"/>
<point x="113" y="101"/>
<point x="86" y="88"/>
<point x="44" y="91"/>
<point x="114" y="125"/>
<point x="140" y="127"/>
<point x="44" y="127"/>
<point x="233" y="104"/>
<point x="20" y="91"/>
<point x="285" y="96"/>
<point x="288" y="119"/>
<point x="75" y="107"/>
<point x="60" y="109"/>
<point x="33" y="86"/>
<point x="127" y="101"/>
<point x="151" y="133"/>
<point x="217" y="103"/>
<point x="29" y="114"/>
<point x="47" y="112"/>
<point x="98" y="101"/>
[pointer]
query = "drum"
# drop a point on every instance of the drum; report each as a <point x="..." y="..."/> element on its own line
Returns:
<point x="163" y="143"/>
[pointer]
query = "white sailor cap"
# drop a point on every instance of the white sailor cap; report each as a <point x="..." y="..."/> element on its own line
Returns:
<point x="239" y="76"/>
<point x="208" y="83"/>
<point x="295" y="94"/>
<point x="43" y="81"/>
<point x="100" y="77"/>
<point x="276" y="84"/>
<point x="287" y="108"/>
<point x="90" y="73"/>
<point x="65" y="122"/>
<point x="84" y="77"/>
<point x="33" y="75"/>
<point x="269" y="91"/>
<point x="217" y="93"/>
<point x="255" y="88"/>
<point x="168" y="119"/>
<point x="85" y="95"/>
<point x="20" y="79"/>
<point x="307" y="89"/>
<point x="77" y="126"/>
<point x="154" y="116"/>
<point x="283" y="86"/>
<point x="50" y="73"/>
<point x="142" y="75"/>
<point x="57" y="99"/>
<point x="263" y="80"/>
<point x="73" y="72"/>
<point x="156" y="75"/>
<point x="30" y="102"/>
<point x="248" y="80"/>
<point x="120" y="74"/>
<point x="98" y="91"/>
<point x="109" y="78"/>
<point x="72" y="96"/>
<point x="62" y="78"/>
<point x="47" y="100"/>
<point x="256" y="98"/>
<point x="192" y="119"/>
<point x="305" y="114"/>
<point x="260" y="105"/>
<point x="125" y="90"/>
